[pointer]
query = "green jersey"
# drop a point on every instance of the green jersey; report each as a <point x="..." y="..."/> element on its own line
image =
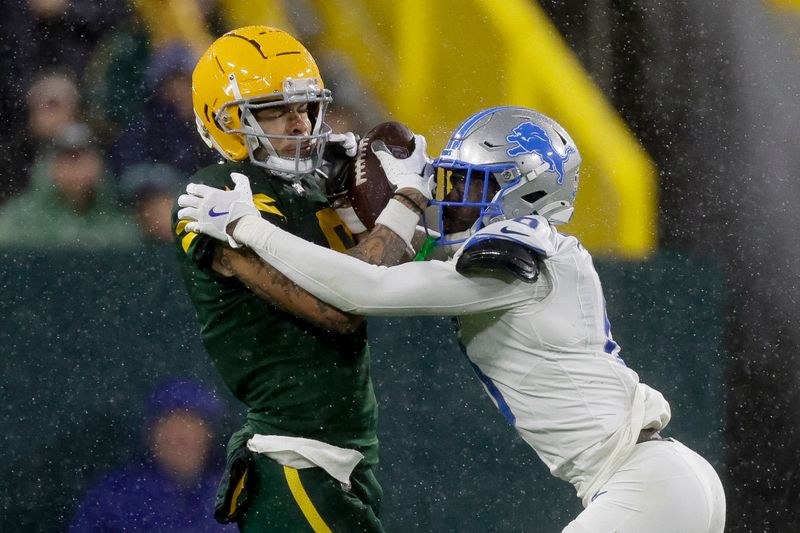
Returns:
<point x="297" y="379"/>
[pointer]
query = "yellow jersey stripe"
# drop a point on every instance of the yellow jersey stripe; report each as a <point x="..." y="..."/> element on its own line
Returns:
<point x="180" y="225"/>
<point x="236" y="492"/>
<point x="329" y="222"/>
<point x="266" y="204"/>
<point x="187" y="241"/>
<point x="304" y="502"/>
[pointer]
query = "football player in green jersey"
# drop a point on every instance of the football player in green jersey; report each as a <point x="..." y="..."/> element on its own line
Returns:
<point x="303" y="460"/>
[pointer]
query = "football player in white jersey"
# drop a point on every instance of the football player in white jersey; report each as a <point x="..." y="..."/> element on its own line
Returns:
<point x="530" y="310"/>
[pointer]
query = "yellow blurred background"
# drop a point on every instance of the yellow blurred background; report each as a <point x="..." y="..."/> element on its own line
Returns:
<point x="431" y="76"/>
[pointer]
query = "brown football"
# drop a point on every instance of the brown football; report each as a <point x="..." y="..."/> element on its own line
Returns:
<point x="367" y="187"/>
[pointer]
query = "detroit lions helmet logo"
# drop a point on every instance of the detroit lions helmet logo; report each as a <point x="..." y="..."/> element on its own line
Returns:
<point x="528" y="138"/>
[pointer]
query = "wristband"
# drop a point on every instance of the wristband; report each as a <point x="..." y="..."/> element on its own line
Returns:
<point x="408" y="199"/>
<point x="400" y="219"/>
<point x="351" y="220"/>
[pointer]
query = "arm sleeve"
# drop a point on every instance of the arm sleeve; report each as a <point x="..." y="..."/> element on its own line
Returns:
<point x="418" y="288"/>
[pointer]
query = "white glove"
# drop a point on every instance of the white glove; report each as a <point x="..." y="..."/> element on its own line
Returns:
<point x="347" y="140"/>
<point x="414" y="171"/>
<point x="213" y="209"/>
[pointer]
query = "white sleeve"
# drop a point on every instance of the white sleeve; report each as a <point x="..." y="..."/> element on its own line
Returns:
<point x="417" y="288"/>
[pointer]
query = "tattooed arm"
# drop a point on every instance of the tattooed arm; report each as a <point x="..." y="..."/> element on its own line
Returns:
<point x="383" y="246"/>
<point x="272" y="286"/>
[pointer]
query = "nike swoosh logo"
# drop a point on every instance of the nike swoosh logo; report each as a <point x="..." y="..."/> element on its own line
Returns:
<point x="213" y="213"/>
<point x="508" y="231"/>
<point x="598" y="494"/>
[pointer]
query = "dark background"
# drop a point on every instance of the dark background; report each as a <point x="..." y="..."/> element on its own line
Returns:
<point x="712" y="91"/>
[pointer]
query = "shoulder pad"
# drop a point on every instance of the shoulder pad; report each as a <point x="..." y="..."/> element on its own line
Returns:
<point x="512" y="245"/>
<point x="498" y="256"/>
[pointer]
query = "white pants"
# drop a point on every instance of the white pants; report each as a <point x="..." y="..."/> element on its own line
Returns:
<point x="663" y="487"/>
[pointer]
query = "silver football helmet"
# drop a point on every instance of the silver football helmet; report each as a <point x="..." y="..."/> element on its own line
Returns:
<point x="527" y="162"/>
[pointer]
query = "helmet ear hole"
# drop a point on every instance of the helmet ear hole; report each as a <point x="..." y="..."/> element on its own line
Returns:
<point x="533" y="197"/>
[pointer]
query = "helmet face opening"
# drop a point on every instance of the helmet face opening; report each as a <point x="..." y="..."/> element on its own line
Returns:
<point x="467" y="196"/>
<point x="280" y="152"/>
<point x="525" y="162"/>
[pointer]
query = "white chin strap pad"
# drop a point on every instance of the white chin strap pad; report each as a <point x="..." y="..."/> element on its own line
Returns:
<point x="562" y="216"/>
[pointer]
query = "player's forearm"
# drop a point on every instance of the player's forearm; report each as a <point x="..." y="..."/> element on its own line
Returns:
<point x="389" y="242"/>
<point x="381" y="247"/>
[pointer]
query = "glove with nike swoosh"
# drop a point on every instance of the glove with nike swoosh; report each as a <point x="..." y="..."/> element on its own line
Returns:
<point x="212" y="210"/>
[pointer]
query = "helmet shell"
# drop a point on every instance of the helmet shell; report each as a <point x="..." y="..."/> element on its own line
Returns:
<point x="245" y="66"/>
<point x="530" y="156"/>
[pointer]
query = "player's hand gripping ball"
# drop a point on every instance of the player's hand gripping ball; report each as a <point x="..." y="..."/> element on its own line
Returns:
<point x="367" y="186"/>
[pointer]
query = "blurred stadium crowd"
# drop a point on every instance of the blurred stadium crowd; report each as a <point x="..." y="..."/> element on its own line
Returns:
<point x="103" y="133"/>
<point x="103" y="136"/>
<point x="100" y="137"/>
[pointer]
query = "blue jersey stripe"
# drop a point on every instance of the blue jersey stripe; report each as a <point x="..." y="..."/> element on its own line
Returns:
<point x="611" y="347"/>
<point x="496" y="394"/>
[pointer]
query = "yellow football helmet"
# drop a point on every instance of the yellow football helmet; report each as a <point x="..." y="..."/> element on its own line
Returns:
<point x="249" y="69"/>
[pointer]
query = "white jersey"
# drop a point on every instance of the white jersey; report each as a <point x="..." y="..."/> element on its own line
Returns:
<point x="543" y="350"/>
